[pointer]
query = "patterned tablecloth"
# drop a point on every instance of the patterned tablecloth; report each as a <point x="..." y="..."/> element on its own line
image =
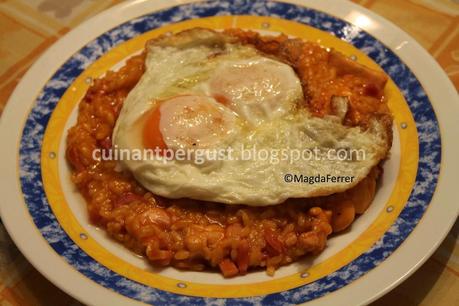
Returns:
<point x="28" y="27"/>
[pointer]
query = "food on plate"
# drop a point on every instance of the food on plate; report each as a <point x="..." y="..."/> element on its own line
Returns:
<point x="201" y="90"/>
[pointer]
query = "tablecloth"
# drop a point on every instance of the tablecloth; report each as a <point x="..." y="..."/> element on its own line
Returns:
<point x="29" y="27"/>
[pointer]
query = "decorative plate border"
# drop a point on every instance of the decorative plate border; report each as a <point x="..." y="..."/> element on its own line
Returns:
<point x="424" y="116"/>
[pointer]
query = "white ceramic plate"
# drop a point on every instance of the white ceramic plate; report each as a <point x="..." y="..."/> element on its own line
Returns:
<point x="413" y="211"/>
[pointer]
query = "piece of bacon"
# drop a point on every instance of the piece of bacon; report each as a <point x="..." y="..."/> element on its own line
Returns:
<point x="345" y="65"/>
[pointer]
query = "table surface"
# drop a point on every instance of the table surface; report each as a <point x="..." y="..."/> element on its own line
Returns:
<point x="29" y="27"/>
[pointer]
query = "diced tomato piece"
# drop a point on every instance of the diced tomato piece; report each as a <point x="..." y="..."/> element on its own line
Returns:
<point x="228" y="268"/>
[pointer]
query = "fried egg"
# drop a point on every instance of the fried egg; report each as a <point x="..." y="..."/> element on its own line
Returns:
<point x="203" y="91"/>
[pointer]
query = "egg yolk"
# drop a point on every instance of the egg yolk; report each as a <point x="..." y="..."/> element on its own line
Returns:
<point x="250" y="84"/>
<point x="188" y="121"/>
<point x="152" y="137"/>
